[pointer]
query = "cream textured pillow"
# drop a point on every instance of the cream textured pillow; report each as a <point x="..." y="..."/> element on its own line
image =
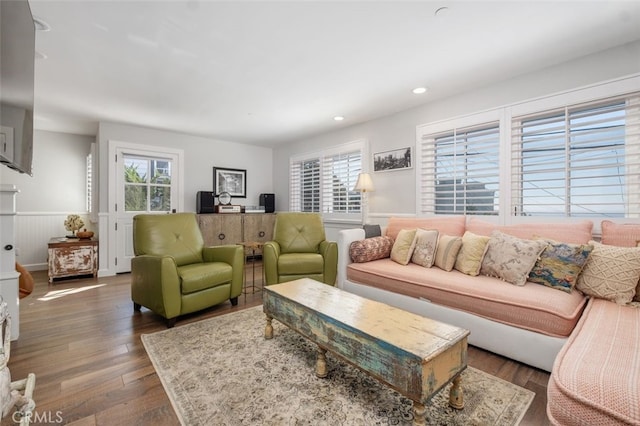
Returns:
<point x="447" y="251"/>
<point x="510" y="258"/>
<point x="403" y="246"/>
<point x="611" y="273"/>
<point x="424" y="252"/>
<point x="470" y="256"/>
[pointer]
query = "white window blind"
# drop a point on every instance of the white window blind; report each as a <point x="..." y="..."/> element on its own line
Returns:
<point x="460" y="171"/>
<point x="323" y="182"/>
<point x="581" y="160"/>
<point x="89" y="182"/>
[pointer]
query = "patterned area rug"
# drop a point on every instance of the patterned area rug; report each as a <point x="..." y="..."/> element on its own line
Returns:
<point x="221" y="371"/>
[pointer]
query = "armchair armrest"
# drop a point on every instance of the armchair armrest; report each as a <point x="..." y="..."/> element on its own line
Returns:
<point x="232" y="254"/>
<point x="345" y="238"/>
<point x="329" y="251"/>
<point x="270" y="254"/>
<point x="155" y="284"/>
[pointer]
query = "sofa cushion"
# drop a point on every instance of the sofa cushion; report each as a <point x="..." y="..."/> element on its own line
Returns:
<point x="595" y="377"/>
<point x="576" y="232"/>
<point x="560" y="265"/>
<point x="532" y="306"/>
<point x="200" y="276"/>
<point x="403" y="246"/>
<point x="447" y="251"/>
<point x="471" y="253"/>
<point x="510" y="258"/>
<point x="611" y="273"/>
<point x="300" y="264"/>
<point x="623" y="235"/>
<point x="424" y="252"/>
<point x="450" y="225"/>
<point x="370" y="249"/>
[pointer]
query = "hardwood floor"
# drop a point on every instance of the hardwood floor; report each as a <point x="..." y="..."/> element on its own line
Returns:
<point x="82" y="340"/>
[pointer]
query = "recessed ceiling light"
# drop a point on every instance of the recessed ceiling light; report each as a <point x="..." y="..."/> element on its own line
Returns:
<point x="338" y="118"/>
<point x="441" y="11"/>
<point x="40" y="24"/>
<point x="419" y="90"/>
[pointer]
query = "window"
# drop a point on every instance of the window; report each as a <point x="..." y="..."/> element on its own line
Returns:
<point x="323" y="182"/>
<point x="147" y="184"/>
<point x="460" y="171"/>
<point x="577" y="161"/>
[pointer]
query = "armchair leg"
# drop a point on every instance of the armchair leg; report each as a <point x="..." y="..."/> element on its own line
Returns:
<point x="137" y="307"/>
<point x="171" y="322"/>
<point x="234" y="301"/>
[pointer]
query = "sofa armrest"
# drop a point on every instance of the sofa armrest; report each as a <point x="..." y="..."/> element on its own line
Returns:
<point x="345" y="238"/>
<point x="329" y="252"/>
<point x="232" y="254"/>
<point x="155" y="284"/>
<point x="270" y="254"/>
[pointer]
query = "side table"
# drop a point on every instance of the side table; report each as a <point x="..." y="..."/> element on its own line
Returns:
<point x="70" y="257"/>
<point x="252" y="246"/>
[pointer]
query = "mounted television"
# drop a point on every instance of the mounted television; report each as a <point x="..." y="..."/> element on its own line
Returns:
<point x="17" y="61"/>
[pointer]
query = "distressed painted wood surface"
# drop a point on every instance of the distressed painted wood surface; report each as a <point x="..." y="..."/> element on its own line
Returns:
<point x="415" y="355"/>
<point x="71" y="257"/>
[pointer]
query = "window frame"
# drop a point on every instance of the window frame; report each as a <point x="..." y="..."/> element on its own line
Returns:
<point x="323" y="157"/>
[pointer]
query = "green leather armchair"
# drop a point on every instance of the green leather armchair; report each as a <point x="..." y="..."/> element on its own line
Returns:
<point x="173" y="273"/>
<point x="299" y="249"/>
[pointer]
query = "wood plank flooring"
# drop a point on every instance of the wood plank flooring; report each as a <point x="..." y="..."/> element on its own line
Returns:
<point x="81" y="338"/>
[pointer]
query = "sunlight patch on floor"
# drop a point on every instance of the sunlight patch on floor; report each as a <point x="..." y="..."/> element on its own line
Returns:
<point x="56" y="294"/>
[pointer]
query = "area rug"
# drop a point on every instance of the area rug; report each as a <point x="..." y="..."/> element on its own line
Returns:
<point x="221" y="371"/>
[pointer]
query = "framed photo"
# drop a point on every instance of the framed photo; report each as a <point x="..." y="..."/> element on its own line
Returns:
<point x="393" y="160"/>
<point x="233" y="181"/>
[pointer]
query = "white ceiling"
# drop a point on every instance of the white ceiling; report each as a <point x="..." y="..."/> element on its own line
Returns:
<point x="267" y="72"/>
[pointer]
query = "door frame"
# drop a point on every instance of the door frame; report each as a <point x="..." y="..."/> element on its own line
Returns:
<point x="115" y="147"/>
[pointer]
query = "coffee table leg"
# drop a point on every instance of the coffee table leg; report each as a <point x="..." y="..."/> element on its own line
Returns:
<point x="268" y="330"/>
<point x="456" y="399"/>
<point x="321" y="363"/>
<point x="419" y="414"/>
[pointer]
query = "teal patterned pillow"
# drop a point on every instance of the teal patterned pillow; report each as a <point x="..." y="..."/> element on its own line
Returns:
<point x="560" y="264"/>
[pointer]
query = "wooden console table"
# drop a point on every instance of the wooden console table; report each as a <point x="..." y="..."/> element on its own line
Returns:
<point x="70" y="257"/>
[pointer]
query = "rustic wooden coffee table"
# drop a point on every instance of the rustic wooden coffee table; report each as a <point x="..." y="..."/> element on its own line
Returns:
<point x="412" y="354"/>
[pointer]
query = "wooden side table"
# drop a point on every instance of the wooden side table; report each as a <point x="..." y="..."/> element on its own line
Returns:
<point x="253" y="246"/>
<point x="70" y="257"/>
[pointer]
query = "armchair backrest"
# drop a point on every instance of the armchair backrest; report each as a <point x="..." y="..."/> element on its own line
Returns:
<point x="176" y="235"/>
<point x="298" y="232"/>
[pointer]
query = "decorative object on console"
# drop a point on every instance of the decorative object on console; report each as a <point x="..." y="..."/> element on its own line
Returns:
<point x="233" y="181"/>
<point x="84" y="235"/>
<point x="268" y="201"/>
<point x="392" y="160"/>
<point x="73" y="223"/>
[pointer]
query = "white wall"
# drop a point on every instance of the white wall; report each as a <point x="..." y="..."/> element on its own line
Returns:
<point x="56" y="189"/>
<point x="395" y="190"/>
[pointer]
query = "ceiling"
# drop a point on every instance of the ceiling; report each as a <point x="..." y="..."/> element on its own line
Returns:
<point x="266" y="72"/>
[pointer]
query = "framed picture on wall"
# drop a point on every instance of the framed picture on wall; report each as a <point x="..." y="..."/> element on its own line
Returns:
<point x="233" y="181"/>
<point x="393" y="160"/>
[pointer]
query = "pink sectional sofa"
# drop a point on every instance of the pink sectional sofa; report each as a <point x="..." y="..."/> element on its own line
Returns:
<point x="591" y="346"/>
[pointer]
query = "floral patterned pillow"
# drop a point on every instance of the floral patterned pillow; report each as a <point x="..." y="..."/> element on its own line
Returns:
<point x="510" y="258"/>
<point x="370" y="249"/>
<point x="424" y="252"/>
<point x="560" y="264"/>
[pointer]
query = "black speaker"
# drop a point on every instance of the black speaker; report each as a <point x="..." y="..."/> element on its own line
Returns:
<point x="269" y="202"/>
<point x="205" y="202"/>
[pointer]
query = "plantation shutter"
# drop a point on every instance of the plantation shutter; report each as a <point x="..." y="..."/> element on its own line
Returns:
<point x="460" y="171"/>
<point x="581" y="160"/>
<point x="305" y="186"/>
<point x="340" y="173"/>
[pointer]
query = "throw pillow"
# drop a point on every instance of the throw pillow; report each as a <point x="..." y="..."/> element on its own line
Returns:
<point x="424" y="252"/>
<point x="611" y="273"/>
<point x="447" y="251"/>
<point x="560" y="264"/>
<point x="371" y="231"/>
<point x="470" y="256"/>
<point x="370" y="249"/>
<point x="510" y="258"/>
<point x="403" y="246"/>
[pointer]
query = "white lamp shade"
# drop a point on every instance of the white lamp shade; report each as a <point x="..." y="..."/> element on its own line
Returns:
<point x="364" y="183"/>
